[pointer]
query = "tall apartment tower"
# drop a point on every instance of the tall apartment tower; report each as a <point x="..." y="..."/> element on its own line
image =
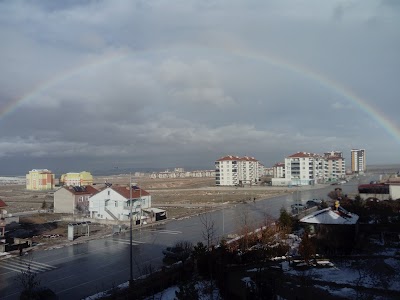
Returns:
<point x="358" y="164"/>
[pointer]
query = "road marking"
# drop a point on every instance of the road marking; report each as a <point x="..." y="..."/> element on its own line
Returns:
<point x="127" y="242"/>
<point x="166" y="231"/>
<point x="19" y="265"/>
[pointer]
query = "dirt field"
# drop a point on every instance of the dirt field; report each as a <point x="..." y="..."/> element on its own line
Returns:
<point x="183" y="193"/>
<point x="180" y="197"/>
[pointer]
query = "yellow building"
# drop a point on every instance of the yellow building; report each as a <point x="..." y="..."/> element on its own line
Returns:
<point x="77" y="179"/>
<point x="40" y="180"/>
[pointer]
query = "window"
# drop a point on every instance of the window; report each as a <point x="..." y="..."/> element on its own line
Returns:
<point x="116" y="204"/>
<point x="108" y="193"/>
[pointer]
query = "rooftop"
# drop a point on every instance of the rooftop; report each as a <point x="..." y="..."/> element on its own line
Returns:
<point x="305" y="154"/>
<point x="2" y="203"/>
<point x="331" y="217"/>
<point x="137" y="192"/>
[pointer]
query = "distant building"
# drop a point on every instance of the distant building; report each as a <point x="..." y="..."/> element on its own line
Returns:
<point x="304" y="168"/>
<point x="3" y="206"/>
<point x="73" y="199"/>
<point x="234" y="170"/>
<point x="279" y="170"/>
<point x="267" y="171"/>
<point x="40" y="180"/>
<point x="335" y="165"/>
<point x="333" y="154"/>
<point x="358" y="161"/>
<point x="76" y="179"/>
<point x="181" y="173"/>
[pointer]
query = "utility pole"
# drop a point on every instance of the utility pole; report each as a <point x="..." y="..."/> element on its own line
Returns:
<point x="130" y="235"/>
<point x="141" y="205"/>
<point x="223" y="217"/>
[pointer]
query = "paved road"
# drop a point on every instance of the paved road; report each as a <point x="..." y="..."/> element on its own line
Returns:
<point x="82" y="270"/>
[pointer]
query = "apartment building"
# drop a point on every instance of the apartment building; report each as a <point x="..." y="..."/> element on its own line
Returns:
<point x="304" y="168"/>
<point x="233" y="170"/>
<point x="358" y="162"/>
<point x="335" y="167"/>
<point x="76" y="179"/>
<point x="268" y="171"/>
<point x="40" y="180"/>
<point x="279" y="170"/>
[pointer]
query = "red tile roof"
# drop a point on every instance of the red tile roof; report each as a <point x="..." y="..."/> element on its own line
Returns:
<point x="305" y="154"/>
<point x="248" y="158"/>
<point x="234" y="157"/>
<point x="2" y="203"/>
<point x="124" y="191"/>
<point x="279" y="164"/>
<point x="229" y="157"/>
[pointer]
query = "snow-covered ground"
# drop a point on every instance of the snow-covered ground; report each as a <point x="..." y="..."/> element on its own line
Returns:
<point x="201" y="287"/>
<point x="352" y="275"/>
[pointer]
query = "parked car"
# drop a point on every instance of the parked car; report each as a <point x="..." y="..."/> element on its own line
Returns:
<point x="313" y="202"/>
<point x="298" y="206"/>
<point x="180" y="251"/>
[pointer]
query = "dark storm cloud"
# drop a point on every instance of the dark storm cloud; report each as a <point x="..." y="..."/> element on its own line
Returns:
<point x="161" y="84"/>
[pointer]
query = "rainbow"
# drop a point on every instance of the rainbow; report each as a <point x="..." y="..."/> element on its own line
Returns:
<point x="388" y="125"/>
<point x="59" y="78"/>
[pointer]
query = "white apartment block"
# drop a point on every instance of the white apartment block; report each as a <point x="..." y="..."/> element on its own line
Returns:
<point x="303" y="168"/>
<point x="358" y="163"/>
<point x="234" y="170"/>
<point x="279" y="170"/>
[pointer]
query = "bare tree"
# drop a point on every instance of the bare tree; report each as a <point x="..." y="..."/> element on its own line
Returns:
<point x="306" y="248"/>
<point x="209" y="230"/>
<point x="29" y="282"/>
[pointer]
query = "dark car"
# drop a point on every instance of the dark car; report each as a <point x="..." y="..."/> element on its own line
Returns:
<point x="313" y="202"/>
<point x="298" y="206"/>
<point x="180" y="251"/>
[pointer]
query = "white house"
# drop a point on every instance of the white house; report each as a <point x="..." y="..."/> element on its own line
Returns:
<point x="119" y="203"/>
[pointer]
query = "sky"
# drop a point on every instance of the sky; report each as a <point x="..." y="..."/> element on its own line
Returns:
<point x="103" y="85"/>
